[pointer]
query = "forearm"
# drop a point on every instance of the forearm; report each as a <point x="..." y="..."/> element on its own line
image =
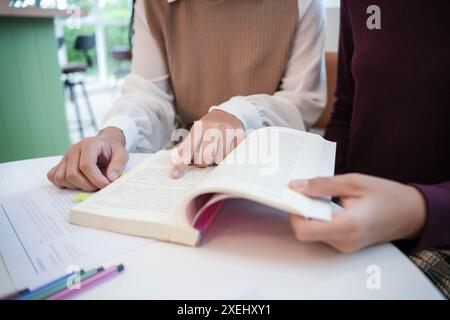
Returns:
<point x="144" y="113"/>
<point x="436" y="231"/>
<point x="263" y="110"/>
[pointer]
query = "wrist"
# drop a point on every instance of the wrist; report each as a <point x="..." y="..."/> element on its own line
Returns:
<point x="113" y="133"/>
<point x="244" y="110"/>
<point x="418" y="212"/>
<point x="234" y="121"/>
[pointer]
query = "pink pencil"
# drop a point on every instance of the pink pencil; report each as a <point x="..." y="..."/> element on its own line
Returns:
<point x="88" y="282"/>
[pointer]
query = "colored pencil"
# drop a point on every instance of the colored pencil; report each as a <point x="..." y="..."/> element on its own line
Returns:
<point x="15" y="294"/>
<point x="42" y="294"/>
<point x="60" y="280"/>
<point x="87" y="283"/>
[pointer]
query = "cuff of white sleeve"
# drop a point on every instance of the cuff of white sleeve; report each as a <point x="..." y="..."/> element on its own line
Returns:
<point x="128" y="128"/>
<point x="242" y="109"/>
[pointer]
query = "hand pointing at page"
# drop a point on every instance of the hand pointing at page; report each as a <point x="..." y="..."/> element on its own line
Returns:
<point x="209" y="141"/>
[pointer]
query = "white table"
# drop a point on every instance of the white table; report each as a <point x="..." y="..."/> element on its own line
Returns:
<point x="248" y="255"/>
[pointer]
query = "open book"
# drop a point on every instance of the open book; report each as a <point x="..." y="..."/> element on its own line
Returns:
<point x="148" y="202"/>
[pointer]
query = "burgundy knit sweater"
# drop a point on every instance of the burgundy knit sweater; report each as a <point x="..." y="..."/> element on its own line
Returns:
<point x="392" y="115"/>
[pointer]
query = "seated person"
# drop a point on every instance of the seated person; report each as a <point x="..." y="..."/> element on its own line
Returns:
<point x="231" y="64"/>
<point x="391" y="124"/>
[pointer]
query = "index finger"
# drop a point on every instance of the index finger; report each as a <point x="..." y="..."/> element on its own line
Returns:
<point x="189" y="145"/>
<point x="314" y="230"/>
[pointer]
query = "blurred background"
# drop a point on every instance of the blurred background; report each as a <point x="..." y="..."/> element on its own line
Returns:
<point x="107" y="22"/>
<point x="63" y="64"/>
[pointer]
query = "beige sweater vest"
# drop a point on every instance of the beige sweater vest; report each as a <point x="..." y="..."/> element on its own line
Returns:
<point x="217" y="49"/>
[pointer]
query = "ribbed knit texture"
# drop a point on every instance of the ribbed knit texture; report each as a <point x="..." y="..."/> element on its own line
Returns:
<point x="217" y="49"/>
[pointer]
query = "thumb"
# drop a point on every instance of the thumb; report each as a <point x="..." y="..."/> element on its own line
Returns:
<point x="119" y="159"/>
<point x="337" y="186"/>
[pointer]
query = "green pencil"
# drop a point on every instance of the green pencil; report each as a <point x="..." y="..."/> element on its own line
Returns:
<point x="59" y="287"/>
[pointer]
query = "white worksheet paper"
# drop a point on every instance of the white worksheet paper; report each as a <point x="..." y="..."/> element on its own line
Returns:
<point x="38" y="244"/>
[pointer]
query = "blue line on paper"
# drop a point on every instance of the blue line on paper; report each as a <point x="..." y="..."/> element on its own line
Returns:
<point x="18" y="238"/>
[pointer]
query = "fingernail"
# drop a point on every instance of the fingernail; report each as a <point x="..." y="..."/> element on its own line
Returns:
<point x="113" y="175"/>
<point x="176" y="173"/>
<point x="298" y="184"/>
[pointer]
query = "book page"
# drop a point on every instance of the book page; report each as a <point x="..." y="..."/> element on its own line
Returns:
<point x="146" y="193"/>
<point x="261" y="167"/>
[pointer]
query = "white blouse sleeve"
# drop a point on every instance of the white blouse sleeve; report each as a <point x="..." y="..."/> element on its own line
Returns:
<point x="144" y="111"/>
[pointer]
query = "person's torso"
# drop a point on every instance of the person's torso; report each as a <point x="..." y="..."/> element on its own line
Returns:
<point x="401" y="110"/>
<point x="217" y="49"/>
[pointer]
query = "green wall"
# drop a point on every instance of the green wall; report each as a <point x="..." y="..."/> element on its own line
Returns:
<point x="32" y="114"/>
